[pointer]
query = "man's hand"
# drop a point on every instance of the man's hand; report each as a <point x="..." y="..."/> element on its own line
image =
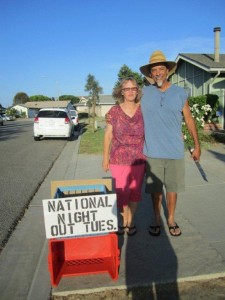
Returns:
<point x="195" y="153"/>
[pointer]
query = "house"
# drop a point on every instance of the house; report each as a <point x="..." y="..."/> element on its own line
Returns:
<point x="21" y="109"/>
<point x="202" y="74"/>
<point x="31" y="108"/>
<point x="104" y="103"/>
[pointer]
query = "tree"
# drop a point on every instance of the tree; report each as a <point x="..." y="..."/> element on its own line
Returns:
<point x="11" y="112"/>
<point x="72" y="98"/>
<point x="92" y="86"/>
<point x="20" y="98"/>
<point x="1" y="108"/>
<point x="126" y="72"/>
<point x="36" y="98"/>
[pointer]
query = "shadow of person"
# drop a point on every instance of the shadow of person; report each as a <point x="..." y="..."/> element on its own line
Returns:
<point x="218" y="155"/>
<point x="150" y="261"/>
<point x="147" y="261"/>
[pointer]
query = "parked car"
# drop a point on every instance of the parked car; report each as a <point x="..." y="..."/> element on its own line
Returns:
<point x="1" y="120"/>
<point x="53" y="122"/>
<point x="75" y="119"/>
<point x="3" y="117"/>
<point x="8" y="118"/>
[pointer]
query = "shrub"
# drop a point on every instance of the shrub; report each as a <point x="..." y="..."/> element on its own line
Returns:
<point x="200" y="112"/>
<point x="213" y="101"/>
<point x="208" y="99"/>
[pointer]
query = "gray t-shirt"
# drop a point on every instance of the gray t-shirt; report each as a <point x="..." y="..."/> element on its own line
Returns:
<point x="162" y="113"/>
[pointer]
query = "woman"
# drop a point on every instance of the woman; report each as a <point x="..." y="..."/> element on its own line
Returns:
<point x="123" y="150"/>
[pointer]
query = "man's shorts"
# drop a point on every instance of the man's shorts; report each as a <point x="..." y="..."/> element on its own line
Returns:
<point x="165" y="172"/>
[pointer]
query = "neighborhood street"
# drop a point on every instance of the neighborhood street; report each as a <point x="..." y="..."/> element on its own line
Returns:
<point x="24" y="165"/>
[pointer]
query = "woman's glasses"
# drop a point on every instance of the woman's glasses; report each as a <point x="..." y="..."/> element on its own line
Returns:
<point x="133" y="89"/>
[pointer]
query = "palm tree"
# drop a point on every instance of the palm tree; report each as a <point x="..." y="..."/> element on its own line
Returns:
<point x="92" y="86"/>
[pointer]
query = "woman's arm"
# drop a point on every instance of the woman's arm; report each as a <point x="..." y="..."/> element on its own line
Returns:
<point x="106" y="146"/>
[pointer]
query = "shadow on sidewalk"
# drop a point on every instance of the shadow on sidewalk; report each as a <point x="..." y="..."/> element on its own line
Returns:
<point x="217" y="155"/>
<point x="149" y="260"/>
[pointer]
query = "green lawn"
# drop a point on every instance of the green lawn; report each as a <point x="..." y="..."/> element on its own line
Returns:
<point x="91" y="142"/>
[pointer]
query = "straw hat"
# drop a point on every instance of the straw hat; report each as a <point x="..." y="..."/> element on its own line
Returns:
<point x="157" y="58"/>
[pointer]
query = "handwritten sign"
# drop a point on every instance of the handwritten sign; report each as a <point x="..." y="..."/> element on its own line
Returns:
<point x="82" y="215"/>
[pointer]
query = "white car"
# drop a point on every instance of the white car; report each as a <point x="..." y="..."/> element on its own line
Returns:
<point x="8" y="118"/>
<point x="53" y="122"/>
<point x="75" y="119"/>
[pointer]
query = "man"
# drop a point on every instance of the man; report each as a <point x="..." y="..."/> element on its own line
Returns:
<point x="163" y="106"/>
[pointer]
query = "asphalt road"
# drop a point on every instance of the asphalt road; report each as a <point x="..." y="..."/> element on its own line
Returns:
<point x="24" y="164"/>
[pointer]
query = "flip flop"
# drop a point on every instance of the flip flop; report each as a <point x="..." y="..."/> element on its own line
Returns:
<point x="121" y="230"/>
<point x="172" y="230"/>
<point x="131" y="230"/>
<point x="154" y="230"/>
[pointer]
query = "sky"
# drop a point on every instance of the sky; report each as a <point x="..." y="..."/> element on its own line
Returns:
<point x="48" y="47"/>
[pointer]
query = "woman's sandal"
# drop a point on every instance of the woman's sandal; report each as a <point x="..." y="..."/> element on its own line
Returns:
<point x="121" y="230"/>
<point x="154" y="230"/>
<point x="131" y="230"/>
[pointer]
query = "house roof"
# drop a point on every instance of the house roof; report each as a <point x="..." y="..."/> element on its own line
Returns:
<point x="106" y="99"/>
<point x="46" y="104"/>
<point x="103" y="100"/>
<point x="20" y="105"/>
<point x="203" y="61"/>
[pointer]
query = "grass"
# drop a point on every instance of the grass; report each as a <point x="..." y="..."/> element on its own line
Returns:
<point x="92" y="142"/>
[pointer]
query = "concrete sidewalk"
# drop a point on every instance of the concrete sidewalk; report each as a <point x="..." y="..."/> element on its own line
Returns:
<point x="198" y="253"/>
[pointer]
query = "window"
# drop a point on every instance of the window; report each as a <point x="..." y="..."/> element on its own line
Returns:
<point x="52" y="114"/>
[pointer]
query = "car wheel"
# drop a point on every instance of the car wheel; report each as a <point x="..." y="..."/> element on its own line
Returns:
<point x="77" y="128"/>
<point x="36" y="138"/>
<point x="70" y="138"/>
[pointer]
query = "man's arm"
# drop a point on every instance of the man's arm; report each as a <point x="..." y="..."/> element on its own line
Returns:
<point x="192" y="130"/>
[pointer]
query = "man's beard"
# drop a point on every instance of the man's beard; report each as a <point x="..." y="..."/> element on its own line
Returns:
<point x="159" y="83"/>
